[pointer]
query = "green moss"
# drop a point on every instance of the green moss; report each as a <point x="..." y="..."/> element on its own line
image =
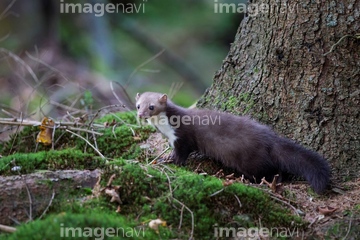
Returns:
<point x="146" y="193"/>
<point x="50" y="160"/>
<point x="119" y="141"/>
<point x="172" y="194"/>
<point x="241" y="103"/>
<point x="232" y="103"/>
<point x="128" y="118"/>
<point x="93" y="225"/>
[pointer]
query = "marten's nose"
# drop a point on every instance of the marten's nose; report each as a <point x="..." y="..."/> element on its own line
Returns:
<point x="140" y="114"/>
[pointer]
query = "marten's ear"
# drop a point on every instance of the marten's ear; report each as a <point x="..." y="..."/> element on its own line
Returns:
<point x="137" y="96"/>
<point x="163" y="99"/>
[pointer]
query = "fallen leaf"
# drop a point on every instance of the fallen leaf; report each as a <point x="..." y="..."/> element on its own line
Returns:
<point x="46" y="131"/>
<point x="326" y="210"/>
<point x="228" y="182"/>
<point x="118" y="210"/>
<point x="114" y="195"/>
<point x="154" y="224"/>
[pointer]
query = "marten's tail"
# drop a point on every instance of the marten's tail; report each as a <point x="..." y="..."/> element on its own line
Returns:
<point x="299" y="161"/>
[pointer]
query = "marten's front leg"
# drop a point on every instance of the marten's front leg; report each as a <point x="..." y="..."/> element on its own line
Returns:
<point x="180" y="153"/>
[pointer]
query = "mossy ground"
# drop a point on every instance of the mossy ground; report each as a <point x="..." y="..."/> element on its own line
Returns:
<point x="190" y="203"/>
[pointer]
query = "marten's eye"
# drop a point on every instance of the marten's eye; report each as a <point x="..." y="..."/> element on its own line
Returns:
<point x="138" y="106"/>
<point x="151" y="108"/>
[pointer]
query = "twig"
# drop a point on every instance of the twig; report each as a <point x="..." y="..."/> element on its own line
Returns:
<point x="4" y="37"/>
<point x="59" y="125"/>
<point x="30" y="202"/>
<point x="123" y="122"/>
<point x="157" y="157"/>
<point x="47" y="65"/>
<point x="24" y="122"/>
<point x="95" y="141"/>
<point x="81" y="130"/>
<point x="312" y="222"/>
<point x="143" y="64"/>
<point x="6" y="111"/>
<point x="53" y="137"/>
<point x="58" y="139"/>
<point x="163" y="168"/>
<point x="216" y="193"/>
<point x="19" y="60"/>
<point x="115" y="95"/>
<point x="175" y="87"/>
<point x="181" y="216"/>
<point x="192" y="217"/>
<point x="14" y="220"/>
<point x="348" y="231"/>
<point x="7" y="9"/>
<point x="52" y="198"/>
<point x="16" y="133"/>
<point x="7" y="229"/>
<point x="237" y="198"/>
<point x="98" y="111"/>
<point x="113" y="131"/>
<point x="96" y="150"/>
<point x="168" y="178"/>
<point x="287" y="204"/>
<point x="111" y="179"/>
<point x="67" y="107"/>
<point x="337" y="43"/>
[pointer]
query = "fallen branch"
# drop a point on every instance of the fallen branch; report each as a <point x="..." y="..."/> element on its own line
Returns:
<point x="59" y="125"/>
<point x="7" y="229"/>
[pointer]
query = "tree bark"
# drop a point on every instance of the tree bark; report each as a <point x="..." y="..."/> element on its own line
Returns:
<point x="297" y="67"/>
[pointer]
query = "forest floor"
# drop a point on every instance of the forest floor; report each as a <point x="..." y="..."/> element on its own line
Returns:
<point x="333" y="215"/>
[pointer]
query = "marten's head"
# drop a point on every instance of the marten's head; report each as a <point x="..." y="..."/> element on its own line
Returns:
<point x="150" y="104"/>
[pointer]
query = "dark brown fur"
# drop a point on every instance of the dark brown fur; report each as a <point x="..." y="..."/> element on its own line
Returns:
<point x="243" y="144"/>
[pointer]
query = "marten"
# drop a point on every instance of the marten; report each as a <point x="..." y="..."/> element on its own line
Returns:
<point x="238" y="142"/>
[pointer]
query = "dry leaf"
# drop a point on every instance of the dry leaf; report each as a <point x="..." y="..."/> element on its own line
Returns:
<point x="228" y="182"/>
<point x="97" y="188"/>
<point x="46" y="131"/>
<point x="118" y="210"/>
<point x="326" y="210"/>
<point x="154" y="224"/>
<point x="114" y="195"/>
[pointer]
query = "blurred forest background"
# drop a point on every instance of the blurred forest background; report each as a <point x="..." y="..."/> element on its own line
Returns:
<point x="54" y="63"/>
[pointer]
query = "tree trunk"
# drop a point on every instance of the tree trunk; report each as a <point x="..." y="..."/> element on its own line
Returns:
<point x="297" y="67"/>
